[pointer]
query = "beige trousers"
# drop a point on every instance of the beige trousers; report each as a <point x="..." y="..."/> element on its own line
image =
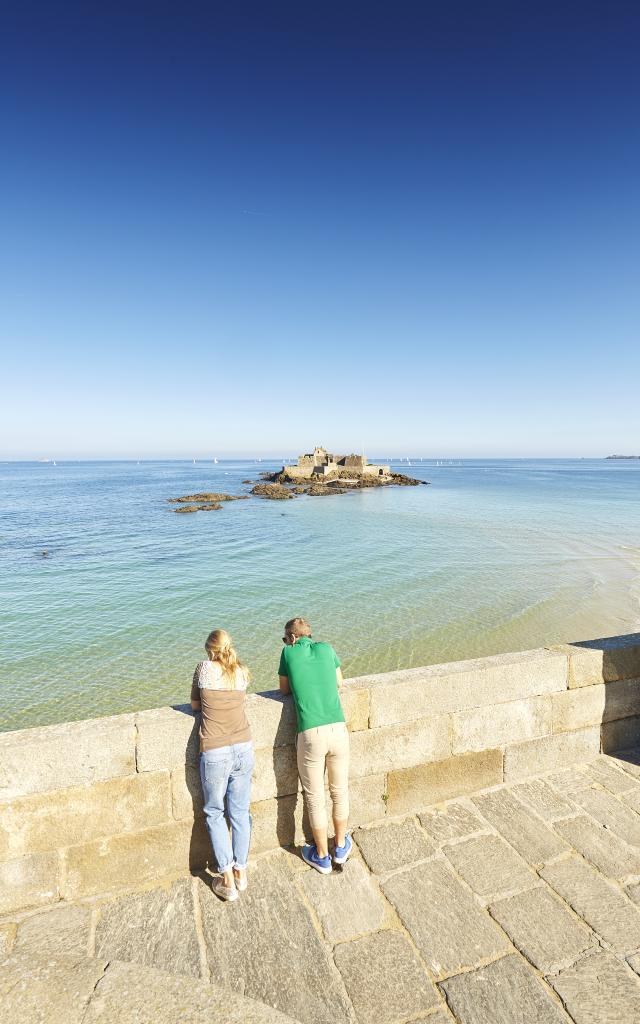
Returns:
<point x="327" y="745"/>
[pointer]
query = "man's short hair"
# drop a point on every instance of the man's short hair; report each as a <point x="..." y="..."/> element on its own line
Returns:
<point x="298" y="627"/>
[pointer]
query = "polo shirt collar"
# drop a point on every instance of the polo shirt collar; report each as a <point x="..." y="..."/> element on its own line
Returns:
<point x="303" y="639"/>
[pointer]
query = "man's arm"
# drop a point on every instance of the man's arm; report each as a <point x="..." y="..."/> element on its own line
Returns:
<point x="284" y="684"/>
<point x="196" y="705"/>
<point x="339" y="678"/>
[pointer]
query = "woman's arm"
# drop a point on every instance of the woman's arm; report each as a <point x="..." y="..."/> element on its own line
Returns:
<point x="339" y="678"/>
<point x="284" y="684"/>
<point x="195" y="690"/>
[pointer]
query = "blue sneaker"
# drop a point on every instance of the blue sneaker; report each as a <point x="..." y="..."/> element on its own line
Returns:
<point x="310" y="857"/>
<point x="341" y="853"/>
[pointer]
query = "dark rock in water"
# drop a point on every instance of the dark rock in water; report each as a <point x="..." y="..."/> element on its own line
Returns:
<point x="45" y="553"/>
<point x="208" y="497"/>
<point x="273" y="492"/>
<point x="210" y="506"/>
<point x="400" y="480"/>
<point x="248" y="481"/>
<point x="319" y="489"/>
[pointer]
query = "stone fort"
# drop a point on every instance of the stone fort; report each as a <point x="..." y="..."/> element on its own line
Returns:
<point x="320" y="462"/>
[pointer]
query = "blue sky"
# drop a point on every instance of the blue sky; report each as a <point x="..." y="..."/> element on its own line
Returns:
<point x="246" y="229"/>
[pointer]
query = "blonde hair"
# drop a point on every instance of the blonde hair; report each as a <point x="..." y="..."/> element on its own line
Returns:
<point x="297" y="627"/>
<point x="219" y="647"/>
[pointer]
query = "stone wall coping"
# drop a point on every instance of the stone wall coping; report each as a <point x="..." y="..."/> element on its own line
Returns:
<point x="271" y="703"/>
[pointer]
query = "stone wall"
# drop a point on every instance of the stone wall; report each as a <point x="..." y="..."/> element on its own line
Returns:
<point x="90" y="807"/>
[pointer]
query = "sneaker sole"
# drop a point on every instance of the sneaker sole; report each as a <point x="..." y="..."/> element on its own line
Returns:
<point x="226" y="899"/>
<point x="345" y="858"/>
<point x="342" y="860"/>
<point x="323" y="871"/>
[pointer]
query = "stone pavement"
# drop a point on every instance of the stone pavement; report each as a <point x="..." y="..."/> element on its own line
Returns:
<point x="516" y="905"/>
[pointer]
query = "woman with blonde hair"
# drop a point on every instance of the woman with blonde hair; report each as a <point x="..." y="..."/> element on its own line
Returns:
<point x="226" y="758"/>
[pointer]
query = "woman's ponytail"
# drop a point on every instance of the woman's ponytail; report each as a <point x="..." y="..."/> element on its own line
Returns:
<point x="219" y="647"/>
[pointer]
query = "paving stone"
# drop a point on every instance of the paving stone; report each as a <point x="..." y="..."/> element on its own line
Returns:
<point x="632" y="800"/>
<point x="266" y="946"/>
<point x="605" y="771"/>
<point x="7" y="936"/>
<point x="384" y="978"/>
<point x="505" y="992"/>
<point x="449" y="928"/>
<point x="633" y="892"/>
<point x="46" y="991"/>
<point x="609" y="853"/>
<point x="628" y="761"/>
<point x="544" y="799"/>
<point x="611" y="813"/>
<point x="490" y="866"/>
<point x="570" y="781"/>
<point x="61" y="931"/>
<point x="155" y="928"/>
<point x="599" y="989"/>
<point x="541" y="927"/>
<point x="132" y="994"/>
<point x="634" y="963"/>
<point x="599" y="902"/>
<point x="526" y="832"/>
<point x="347" y="902"/>
<point x="454" y="821"/>
<point x="393" y="845"/>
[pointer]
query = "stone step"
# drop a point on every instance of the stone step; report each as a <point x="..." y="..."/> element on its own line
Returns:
<point x="80" y="990"/>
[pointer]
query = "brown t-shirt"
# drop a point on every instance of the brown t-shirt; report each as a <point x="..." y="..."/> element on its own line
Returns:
<point x="224" y="718"/>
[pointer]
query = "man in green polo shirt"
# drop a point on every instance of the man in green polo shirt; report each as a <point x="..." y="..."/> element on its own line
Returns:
<point x="311" y="673"/>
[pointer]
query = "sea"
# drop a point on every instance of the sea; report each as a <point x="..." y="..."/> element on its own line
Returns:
<point x="108" y="594"/>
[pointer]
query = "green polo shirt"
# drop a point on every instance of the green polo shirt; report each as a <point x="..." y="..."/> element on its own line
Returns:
<point x="310" y="668"/>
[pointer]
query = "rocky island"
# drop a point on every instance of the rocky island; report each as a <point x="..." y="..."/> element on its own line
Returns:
<point x="316" y="473"/>
<point x="320" y="473"/>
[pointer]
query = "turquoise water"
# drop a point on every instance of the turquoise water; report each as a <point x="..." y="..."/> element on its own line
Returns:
<point x="493" y="556"/>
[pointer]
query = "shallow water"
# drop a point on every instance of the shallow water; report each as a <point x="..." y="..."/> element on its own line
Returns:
<point x="493" y="556"/>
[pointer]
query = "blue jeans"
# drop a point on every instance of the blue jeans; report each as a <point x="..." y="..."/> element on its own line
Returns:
<point x="226" y="772"/>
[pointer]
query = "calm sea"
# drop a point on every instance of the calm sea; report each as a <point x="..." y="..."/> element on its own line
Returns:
<point x="493" y="556"/>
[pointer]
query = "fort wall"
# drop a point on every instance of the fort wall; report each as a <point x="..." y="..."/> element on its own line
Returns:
<point x="90" y="807"/>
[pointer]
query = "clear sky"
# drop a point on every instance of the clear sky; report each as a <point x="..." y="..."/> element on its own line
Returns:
<point x="237" y="228"/>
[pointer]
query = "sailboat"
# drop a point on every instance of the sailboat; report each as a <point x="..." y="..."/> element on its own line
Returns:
<point x="216" y="461"/>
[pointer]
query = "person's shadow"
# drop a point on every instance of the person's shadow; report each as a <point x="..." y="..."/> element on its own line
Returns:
<point x="190" y="802"/>
<point x="290" y="803"/>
